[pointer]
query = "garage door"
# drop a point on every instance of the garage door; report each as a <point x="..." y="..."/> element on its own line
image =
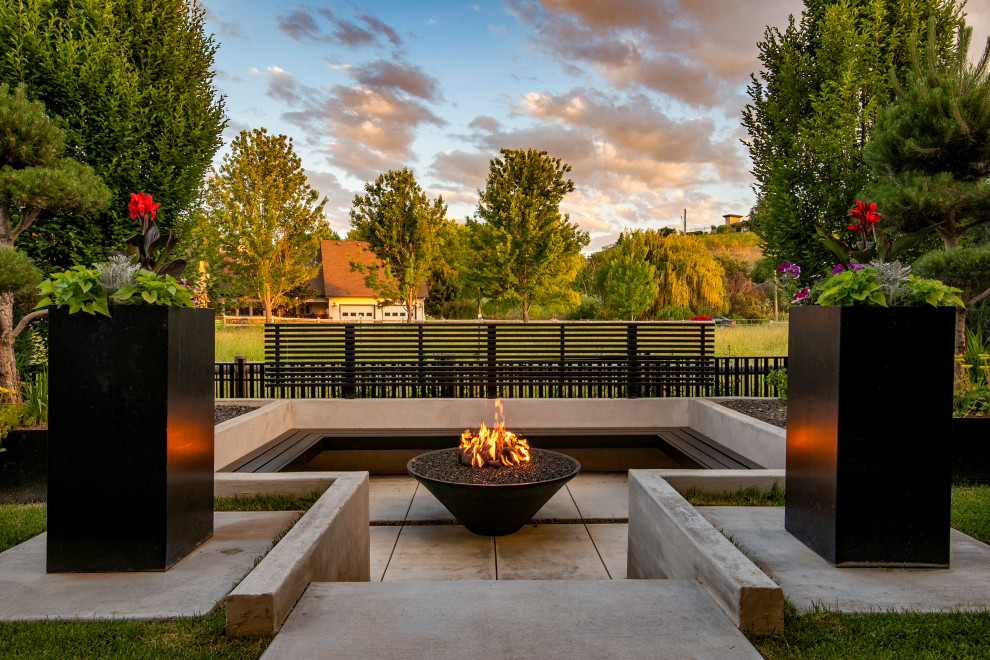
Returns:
<point x="357" y="312"/>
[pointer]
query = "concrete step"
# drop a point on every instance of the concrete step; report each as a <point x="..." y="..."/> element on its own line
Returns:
<point x="508" y="619"/>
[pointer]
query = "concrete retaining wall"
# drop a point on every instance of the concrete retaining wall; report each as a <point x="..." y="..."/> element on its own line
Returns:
<point x="330" y="543"/>
<point x="243" y="434"/>
<point x="668" y="538"/>
<point x="756" y="440"/>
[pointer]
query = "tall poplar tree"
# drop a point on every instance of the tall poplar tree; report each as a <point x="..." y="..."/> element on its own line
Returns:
<point x="403" y="229"/>
<point x="521" y="248"/>
<point x="260" y="218"/>
<point x="132" y="81"/>
<point x="824" y="78"/>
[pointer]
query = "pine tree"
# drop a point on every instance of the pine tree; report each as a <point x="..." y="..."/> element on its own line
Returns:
<point x="132" y="81"/>
<point x="824" y="79"/>
<point x="521" y="248"/>
<point x="931" y="146"/>
<point x="35" y="176"/>
<point x="261" y="220"/>
<point x="403" y="230"/>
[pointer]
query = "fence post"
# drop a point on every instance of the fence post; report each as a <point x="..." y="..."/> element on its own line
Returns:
<point x="491" y="389"/>
<point x="350" y="373"/>
<point x="632" y="363"/>
<point x="239" y="376"/>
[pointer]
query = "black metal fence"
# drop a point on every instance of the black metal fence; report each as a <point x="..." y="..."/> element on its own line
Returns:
<point x="734" y="376"/>
<point x="240" y="379"/>
<point x="746" y="376"/>
<point x="505" y="359"/>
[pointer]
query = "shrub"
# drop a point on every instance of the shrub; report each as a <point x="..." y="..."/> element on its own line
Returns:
<point x="675" y="313"/>
<point x="777" y="378"/>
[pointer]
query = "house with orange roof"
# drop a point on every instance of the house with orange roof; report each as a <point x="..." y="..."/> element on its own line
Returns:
<point x="342" y="295"/>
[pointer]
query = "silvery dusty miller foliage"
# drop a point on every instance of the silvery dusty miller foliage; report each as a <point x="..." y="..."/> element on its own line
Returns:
<point x="115" y="273"/>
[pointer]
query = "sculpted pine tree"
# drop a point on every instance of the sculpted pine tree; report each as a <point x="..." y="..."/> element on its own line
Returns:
<point x="133" y="84"/>
<point x="824" y="78"/>
<point x="35" y="176"/>
<point x="403" y="229"/>
<point x="521" y="248"/>
<point x="630" y="287"/>
<point x="261" y="219"/>
<point x="931" y="146"/>
<point x="931" y="150"/>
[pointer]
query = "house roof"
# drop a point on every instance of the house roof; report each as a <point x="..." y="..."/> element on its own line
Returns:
<point x="338" y="280"/>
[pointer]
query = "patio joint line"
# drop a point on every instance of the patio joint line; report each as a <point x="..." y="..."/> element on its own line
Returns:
<point x="401" y="526"/>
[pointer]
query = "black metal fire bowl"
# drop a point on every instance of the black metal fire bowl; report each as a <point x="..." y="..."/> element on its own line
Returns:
<point x="495" y="509"/>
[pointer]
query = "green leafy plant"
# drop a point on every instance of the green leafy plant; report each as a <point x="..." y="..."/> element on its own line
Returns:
<point x="76" y="287"/>
<point x="36" y="397"/>
<point x="971" y="394"/>
<point x="852" y="287"/>
<point x="918" y="291"/>
<point x="777" y="378"/>
<point x="154" y="289"/>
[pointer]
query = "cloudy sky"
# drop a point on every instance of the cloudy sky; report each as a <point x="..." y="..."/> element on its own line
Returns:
<point x="642" y="98"/>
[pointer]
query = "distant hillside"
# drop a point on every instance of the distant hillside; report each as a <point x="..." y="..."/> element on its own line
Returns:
<point x="739" y="246"/>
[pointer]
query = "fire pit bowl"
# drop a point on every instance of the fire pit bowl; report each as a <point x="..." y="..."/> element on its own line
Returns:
<point x="501" y="500"/>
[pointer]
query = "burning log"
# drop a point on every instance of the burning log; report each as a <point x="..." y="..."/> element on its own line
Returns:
<point x="493" y="447"/>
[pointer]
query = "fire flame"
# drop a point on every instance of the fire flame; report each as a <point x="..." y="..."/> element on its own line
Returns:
<point x="494" y="447"/>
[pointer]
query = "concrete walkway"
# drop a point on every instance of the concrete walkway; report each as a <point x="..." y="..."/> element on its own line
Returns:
<point x="190" y="588"/>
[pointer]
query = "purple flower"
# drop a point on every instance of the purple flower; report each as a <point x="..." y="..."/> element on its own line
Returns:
<point x="854" y="266"/>
<point x="800" y="295"/>
<point x="790" y="270"/>
<point x="815" y="276"/>
<point x="838" y="269"/>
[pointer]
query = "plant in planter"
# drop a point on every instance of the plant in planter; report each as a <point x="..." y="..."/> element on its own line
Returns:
<point x="131" y="362"/>
<point x="868" y="462"/>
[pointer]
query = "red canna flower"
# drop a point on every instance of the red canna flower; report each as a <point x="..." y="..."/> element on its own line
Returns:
<point x="141" y="206"/>
<point x="867" y="217"/>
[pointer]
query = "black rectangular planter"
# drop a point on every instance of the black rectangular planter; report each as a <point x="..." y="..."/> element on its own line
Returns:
<point x="130" y="435"/>
<point x="971" y="449"/>
<point x="868" y="433"/>
<point x="24" y="466"/>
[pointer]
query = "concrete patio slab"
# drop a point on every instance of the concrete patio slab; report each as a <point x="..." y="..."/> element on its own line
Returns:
<point x="612" y="543"/>
<point x="427" y="507"/>
<point x="513" y="619"/>
<point x="190" y="588"/>
<point x="548" y="552"/>
<point x="807" y="579"/>
<point x="389" y="497"/>
<point x="560" y="506"/>
<point x="601" y="495"/>
<point x="441" y="552"/>
<point x="383" y="541"/>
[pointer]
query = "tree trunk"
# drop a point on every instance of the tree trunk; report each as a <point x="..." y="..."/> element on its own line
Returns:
<point x="525" y="310"/>
<point x="9" y="378"/>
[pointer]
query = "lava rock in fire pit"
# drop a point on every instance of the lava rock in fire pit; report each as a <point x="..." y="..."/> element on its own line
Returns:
<point x="493" y="501"/>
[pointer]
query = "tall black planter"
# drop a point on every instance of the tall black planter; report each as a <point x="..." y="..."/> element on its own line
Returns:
<point x="869" y="433"/>
<point x="130" y="434"/>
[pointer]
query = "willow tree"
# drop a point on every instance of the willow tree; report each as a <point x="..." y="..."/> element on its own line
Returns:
<point x="521" y="248"/>
<point x="35" y="176"/>
<point x="403" y="230"/>
<point x="261" y="219"/>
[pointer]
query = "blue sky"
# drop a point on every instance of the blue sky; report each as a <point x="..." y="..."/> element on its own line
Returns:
<point x="642" y="98"/>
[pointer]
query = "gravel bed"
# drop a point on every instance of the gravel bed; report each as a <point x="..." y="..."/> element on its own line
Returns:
<point x="444" y="465"/>
<point x="223" y="413"/>
<point x="771" y="411"/>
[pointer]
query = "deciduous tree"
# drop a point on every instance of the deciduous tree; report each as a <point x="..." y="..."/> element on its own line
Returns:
<point x="404" y="230"/>
<point x="260" y="218"/>
<point x="824" y="78"/>
<point x="132" y="81"/>
<point x="521" y="248"/>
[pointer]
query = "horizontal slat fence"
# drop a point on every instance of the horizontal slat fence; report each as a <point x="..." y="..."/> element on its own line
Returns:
<point x="558" y="359"/>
